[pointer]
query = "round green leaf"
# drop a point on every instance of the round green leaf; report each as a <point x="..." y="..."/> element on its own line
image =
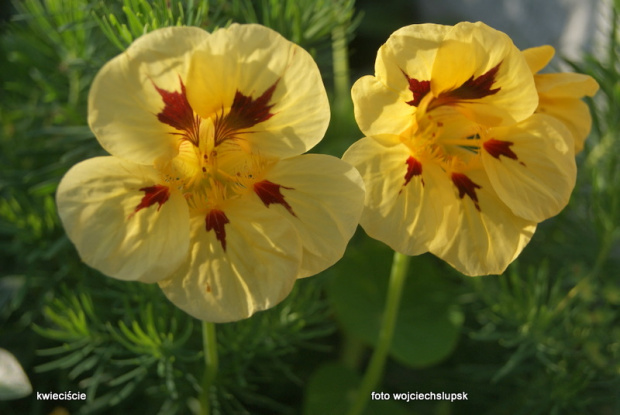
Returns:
<point x="429" y="319"/>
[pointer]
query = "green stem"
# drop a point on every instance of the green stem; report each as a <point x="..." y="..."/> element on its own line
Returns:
<point x="374" y="372"/>
<point x="342" y="87"/>
<point x="209" y="344"/>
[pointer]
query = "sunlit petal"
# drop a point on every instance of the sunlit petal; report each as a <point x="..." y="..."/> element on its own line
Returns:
<point x="482" y="240"/>
<point x="532" y="166"/>
<point x="250" y="60"/>
<point x="574" y="113"/>
<point x="410" y="51"/>
<point x="403" y="210"/>
<point x="472" y="52"/>
<point x="538" y="57"/>
<point x="326" y="198"/>
<point x="380" y="110"/>
<point x="123" y="102"/>
<point x="566" y="85"/>
<point x="123" y="221"/>
<point x="255" y="271"/>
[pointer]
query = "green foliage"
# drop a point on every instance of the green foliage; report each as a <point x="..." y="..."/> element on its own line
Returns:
<point x="305" y="22"/>
<point x="144" y="346"/>
<point x="122" y="343"/>
<point x="309" y="23"/>
<point x="429" y="319"/>
<point x="551" y="333"/>
<point x="55" y="46"/>
<point x="137" y="342"/>
<point x="141" y="17"/>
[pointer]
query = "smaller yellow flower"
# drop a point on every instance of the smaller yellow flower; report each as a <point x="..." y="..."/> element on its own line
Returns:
<point x="560" y="94"/>
<point x="206" y="191"/>
<point x="455" y="160"/>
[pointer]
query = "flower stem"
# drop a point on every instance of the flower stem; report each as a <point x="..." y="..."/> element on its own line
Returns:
<point x="209" y="345"/>
<point x="374" y="372"/>
<point x="340" y="57"/>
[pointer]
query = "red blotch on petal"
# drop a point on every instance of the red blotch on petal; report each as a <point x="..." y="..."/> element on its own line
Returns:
<point x="216" y="220"/>
<point x="418" y="88"/>
<point x="414" y="168"/>
<point x="498" y="148"/>
<point x="178" y="113"/>
<point x="245" y="112"/>
<point x="480" y="87"/>
<point x="270" y="193"/>
<point x="153" y="194"/>
<point x="473" y="88"/>
<point x="466" y="187"/>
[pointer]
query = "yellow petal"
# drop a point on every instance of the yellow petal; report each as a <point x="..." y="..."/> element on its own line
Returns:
<point x="574" y="113"/>
<point x="404" y="216"/>
<point x="481" y="241"/>
<point x="251" y="59"/>
<point x="379" y="109"/>
<point x="255" y="272"/>
<point x="538" y="57"/>
<point x="531" y="166"/>
<point x="123" y="102"/>
<point x="474" y="51"/>
<point x="116" y="229"/>
<point x="560" y="97"/>
<point x="326" y="196"/>
<point x="410" y="50"/>
<point x="566" y="85"/>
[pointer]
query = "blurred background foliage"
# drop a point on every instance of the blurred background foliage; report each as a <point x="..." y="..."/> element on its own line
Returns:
<point x="543" y="338"/>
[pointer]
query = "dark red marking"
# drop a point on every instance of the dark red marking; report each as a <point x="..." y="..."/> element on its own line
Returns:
<point x="414" y="168"/>
<point x="498" y="148"/>
<point x="473" y="88"/>
<point x="418" y="88"/>
<point x="178" y="113"/>
<point x="216" y="220"/>
<point x="245" y="112"/>
<point x="270" y="193"/>
<point x="466" y="187"/>
<point x="153" y="194"/>
<point x="480" y="87"/>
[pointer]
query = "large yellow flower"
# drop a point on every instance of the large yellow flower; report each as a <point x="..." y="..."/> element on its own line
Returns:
<point x="455" y="160"/>
<point x="206" y="192"/>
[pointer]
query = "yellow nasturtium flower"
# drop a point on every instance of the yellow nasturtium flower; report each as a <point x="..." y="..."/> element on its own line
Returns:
<point x="206" y="191"/>
<point x="456" y="160"/>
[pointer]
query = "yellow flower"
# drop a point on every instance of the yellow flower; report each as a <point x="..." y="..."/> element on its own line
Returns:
<point x="455" y="161"/>
<point x="205" y="191"/>
<point x="560" y="94"/>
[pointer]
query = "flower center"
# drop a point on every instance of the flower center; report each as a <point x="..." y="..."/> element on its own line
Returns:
<point x="446" y="137"/>
<point x="442" y="132"/>
<point x="214" y="162"/>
